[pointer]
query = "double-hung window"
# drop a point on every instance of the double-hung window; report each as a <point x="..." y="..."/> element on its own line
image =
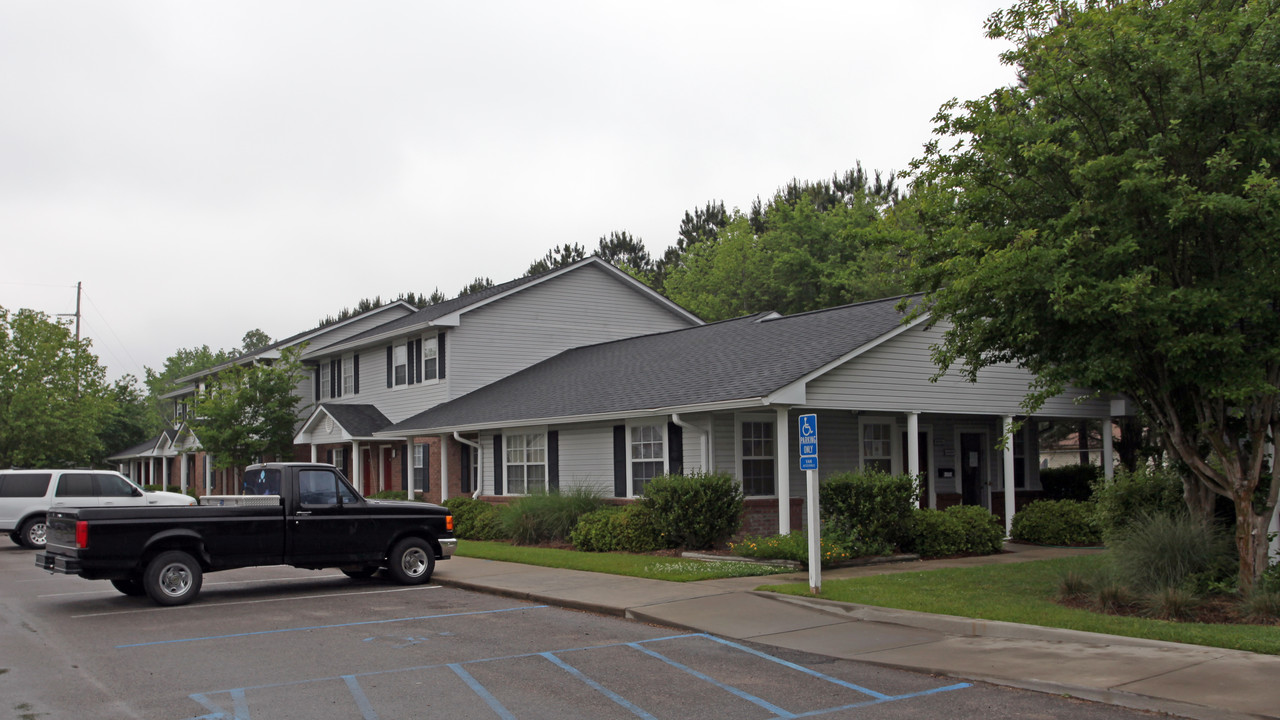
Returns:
<point x="648" y="459"/>
<point x="325" y="387"/>
<point x="877" y="446"/>
<point x="348" y="375"/>
<point x="430" y="359"/>
<point x="419" y="467"/>
<point x="400" y="365"/>
<point x="526" y="462"/>
<point x="758" y="455"/>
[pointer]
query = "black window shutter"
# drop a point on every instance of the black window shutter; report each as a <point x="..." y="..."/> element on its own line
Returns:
<point x="389" y="361"/>
<point x="410" y="362"/>
<point x="355" y="372"/>
<point x="333" y="379"/>
<point x="417" y="365"/>
<point x="553" y="460"/>
<point x="317" y="383"/>
<point x="675" y="449"/>
<point x="328" y="456"/>
<point x="440" y="355"/>
<point x="404" y="466"/>
<point x="338" y="363"/>
<point x="497" y="464"/>
<point x="619" y="460"/>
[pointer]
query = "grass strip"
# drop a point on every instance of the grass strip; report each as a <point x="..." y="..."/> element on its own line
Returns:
<point x="643" y="566"/>
<point x="1024" y="593"/>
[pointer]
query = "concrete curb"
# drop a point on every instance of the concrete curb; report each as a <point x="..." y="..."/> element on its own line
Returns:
<point x="971" y="627"/>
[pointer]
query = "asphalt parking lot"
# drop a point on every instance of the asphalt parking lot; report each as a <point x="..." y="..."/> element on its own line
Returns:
<point x="279" y="642"/>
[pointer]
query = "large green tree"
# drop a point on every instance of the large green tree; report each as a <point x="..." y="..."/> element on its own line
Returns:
<point x="795" y="254"/>
<point x="1113" y="219"/>
<point x="248" y="412"/>
<point x="53" y="393"/>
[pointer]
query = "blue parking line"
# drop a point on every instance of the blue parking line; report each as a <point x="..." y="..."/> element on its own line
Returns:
<point x="480" y="690"/>
<point x="327" y="627"/>
<point x="761" y="702"/>
<point x="241" y="709"/>
<point x="362" y="701"/>
<point x="635" y="710"/>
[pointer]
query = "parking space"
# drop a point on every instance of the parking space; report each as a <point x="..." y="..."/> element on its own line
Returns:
<point x="279" y="642"/>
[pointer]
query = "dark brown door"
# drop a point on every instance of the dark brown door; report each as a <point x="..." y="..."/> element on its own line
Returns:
<point x="972" y="464"/>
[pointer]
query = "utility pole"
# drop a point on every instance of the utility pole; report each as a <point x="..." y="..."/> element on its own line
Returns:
<point x="79" y="286"/>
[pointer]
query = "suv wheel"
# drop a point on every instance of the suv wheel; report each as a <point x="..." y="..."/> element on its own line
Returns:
<point x="32" y="534"/>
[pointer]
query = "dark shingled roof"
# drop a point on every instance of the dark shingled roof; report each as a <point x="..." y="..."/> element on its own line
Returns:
<point x="738" y="359"/>
<point x="357" y="420"/>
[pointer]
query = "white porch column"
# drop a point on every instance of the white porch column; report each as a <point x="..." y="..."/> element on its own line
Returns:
<point x="165" y="472"/>
<point x="356" y="478"/>
<point x="408" y="463"/>
<point x="208" y="474"/>
<point x="183" y="472"/>
<point x="1008" y="475"/>
<point x="444" y="468"/>
<point x="1108" y="463"/>
<point x="913" y="454"/>
<point x="784" y="472"/>
<point x="315" y="454"/>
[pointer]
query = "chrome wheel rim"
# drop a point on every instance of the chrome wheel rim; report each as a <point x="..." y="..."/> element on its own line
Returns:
<point x="175" y="579"/>
<point x="414" y="562"/>
<point x="37" y="534"/>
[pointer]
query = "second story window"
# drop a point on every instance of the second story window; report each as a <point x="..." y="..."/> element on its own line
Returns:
<point x="325" y="387"/>
<point x="348" y="375"/>
<point x="430" y="359"/>
<point x="400" y="366"/>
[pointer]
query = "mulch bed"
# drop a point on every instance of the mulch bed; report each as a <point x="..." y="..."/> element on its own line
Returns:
<point x="1217" y="610"/>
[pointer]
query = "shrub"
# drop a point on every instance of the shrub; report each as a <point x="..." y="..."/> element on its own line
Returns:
<point x="547" y="517"/>
<point x="390" y="495"/>
<point x="475" y="519"/>
<point x="694" y="511"/>
<point x="958" y="530"/>
<point x="934" y="533"/>
<point x="870" y="510"/>
<point x="164" y="488"/>
<point x="1263" y="606"/>
<point x="794" y="546"/>
<point x="1148" y="490"/>
<point x="1073" y="584"/>
<point x="629" y="528"/>
<point x="1159" y="551"/>
<point x="1069" y="482"/>
<point x="1170" y="603"/>
<point x="1056" y="522"/>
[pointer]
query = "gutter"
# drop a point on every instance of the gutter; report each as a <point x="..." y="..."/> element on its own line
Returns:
<point x="702" y="440"/>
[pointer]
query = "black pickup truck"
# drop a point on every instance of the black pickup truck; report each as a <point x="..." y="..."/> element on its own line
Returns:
<point x="302" y="514"/>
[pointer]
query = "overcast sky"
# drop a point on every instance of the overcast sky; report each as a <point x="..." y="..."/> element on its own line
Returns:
<point x="205" y="168"/>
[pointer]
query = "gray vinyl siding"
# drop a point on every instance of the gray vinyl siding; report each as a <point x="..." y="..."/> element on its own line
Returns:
<point x="586" y="457"/>
<point x="400" y="401"/>
<point x="894" y="377"/>
<point x="583" y="307"/>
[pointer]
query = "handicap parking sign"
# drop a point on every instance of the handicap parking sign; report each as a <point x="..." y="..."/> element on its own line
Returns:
<point x="808" y="442"/>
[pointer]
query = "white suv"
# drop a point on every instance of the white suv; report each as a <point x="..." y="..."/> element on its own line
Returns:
<point x="26" y="495"/>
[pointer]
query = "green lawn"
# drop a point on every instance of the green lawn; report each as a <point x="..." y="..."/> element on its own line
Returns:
<point x="645" y="566"/>
<point x="1023" y="593"/>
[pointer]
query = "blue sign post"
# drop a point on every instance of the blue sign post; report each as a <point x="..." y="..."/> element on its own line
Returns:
<point x="809" y="463"/>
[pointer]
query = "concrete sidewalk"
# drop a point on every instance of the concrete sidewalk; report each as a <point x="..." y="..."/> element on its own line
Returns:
<point x="1186" y="680"/>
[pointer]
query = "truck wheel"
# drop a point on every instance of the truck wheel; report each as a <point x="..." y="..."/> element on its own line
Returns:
<point x="411" y="561"/>
<point x="172" y="578"/>
<point x="361" y="573"/>
<point x="131" y="586"/>
<point x="32" y="533"/>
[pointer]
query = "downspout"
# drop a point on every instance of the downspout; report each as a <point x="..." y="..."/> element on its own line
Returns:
<point x="702" y="441"/>
<point x="479" y="463"/>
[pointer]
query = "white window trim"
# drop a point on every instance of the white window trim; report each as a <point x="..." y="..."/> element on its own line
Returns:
<point x="430" y="351"/>
<point x="738" y="419"/>
<point x="506" y="475"/>
<point x="324" y="381"/>
<point x="895" y="441"/>
<point x="659" y="423"/>
<point x="400" y="358"/>
<point x="348" y="373"/>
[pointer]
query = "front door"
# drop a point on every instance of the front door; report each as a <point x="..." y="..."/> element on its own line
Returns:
<point x="972" y="466"/>
<point x="384" y="481"/>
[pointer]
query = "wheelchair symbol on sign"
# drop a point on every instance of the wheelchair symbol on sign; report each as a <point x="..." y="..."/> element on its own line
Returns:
<point x="806" y="426"/>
